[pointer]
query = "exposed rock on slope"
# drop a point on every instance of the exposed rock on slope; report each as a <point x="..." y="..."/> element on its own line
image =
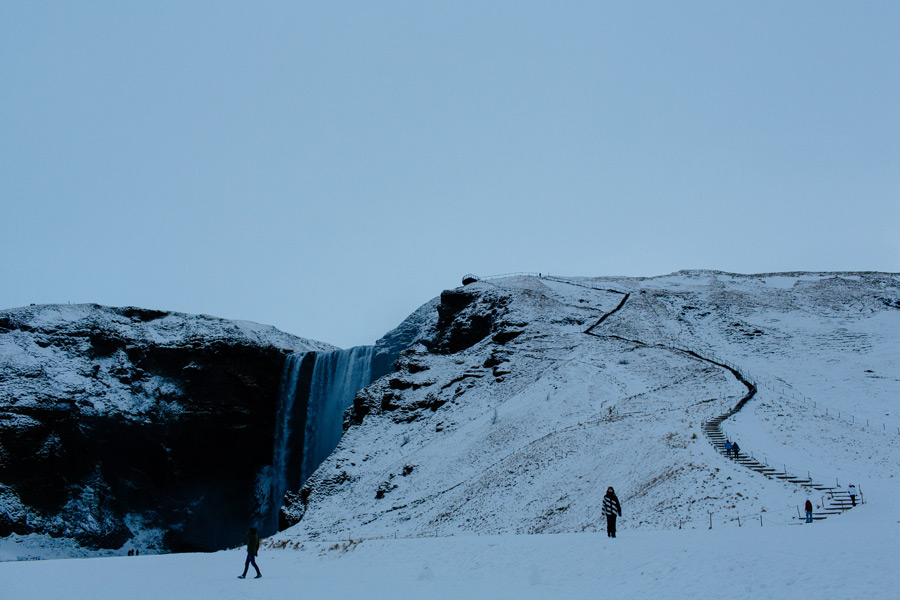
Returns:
<point x="116" y="422"/>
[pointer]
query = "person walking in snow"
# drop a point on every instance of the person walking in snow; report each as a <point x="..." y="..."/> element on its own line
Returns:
<point x="611" y="509"/>
<point x="851" y="489"/>
<point x="809" y="509"/>
<point x="252" y="551"/>
<point x="735" y="448"/>
<point x="727" y="447"/>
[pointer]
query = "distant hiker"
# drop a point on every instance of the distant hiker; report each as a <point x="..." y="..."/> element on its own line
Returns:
<point x="611" y="509"/>
<point x="131" y="553"/>
<point x="852" y="491"/>
<point x="252" y="551"/>
<point x="809" y="509"/>
<point x="735" y="448"/>
<point x="727" y="447"/>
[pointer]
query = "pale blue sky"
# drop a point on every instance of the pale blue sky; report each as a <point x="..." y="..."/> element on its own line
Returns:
<point x="327" y="167"/>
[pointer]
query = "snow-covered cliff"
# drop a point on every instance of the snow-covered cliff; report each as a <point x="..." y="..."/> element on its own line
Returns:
<point x="126" y="425"/>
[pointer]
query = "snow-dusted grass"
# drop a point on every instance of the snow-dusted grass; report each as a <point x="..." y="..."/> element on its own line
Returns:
<point x="852" y="556"/>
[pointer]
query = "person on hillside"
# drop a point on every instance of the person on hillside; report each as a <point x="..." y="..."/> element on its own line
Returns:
<point x="851" y="489"/>
<point x="727" y="447"/>
<point x="252" y="551"/>
<point x="735" y="449"/>
<point x="809" y="511"/>
<point x="611" y="509"/>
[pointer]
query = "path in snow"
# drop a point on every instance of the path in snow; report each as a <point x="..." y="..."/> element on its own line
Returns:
<point x="839" y="500"/>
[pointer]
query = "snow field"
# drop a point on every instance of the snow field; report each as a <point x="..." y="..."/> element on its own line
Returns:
<point x="853" y="555"/>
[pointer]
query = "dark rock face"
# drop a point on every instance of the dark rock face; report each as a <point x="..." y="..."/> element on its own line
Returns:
<point x="417" y="326"/>
<point x="119" y="420"/>
<point x="465" y="317"/>
<point x="459" y="320"/>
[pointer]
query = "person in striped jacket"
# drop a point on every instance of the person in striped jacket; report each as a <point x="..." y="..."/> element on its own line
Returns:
<point x="611" y="509"/>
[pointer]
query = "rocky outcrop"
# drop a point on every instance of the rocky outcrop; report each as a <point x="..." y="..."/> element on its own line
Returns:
<point x="115" y="422"/>
<point x="466" y="328"/>
<point x="456" y="321"/>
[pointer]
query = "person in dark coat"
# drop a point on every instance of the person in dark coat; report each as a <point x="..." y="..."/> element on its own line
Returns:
<point x="611" y="509"/>
<point x="252" y="551"/>
<point x="735" y="448"/>
<point x="809" y="510"/>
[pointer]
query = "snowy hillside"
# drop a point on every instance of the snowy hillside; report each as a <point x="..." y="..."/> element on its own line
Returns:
<point x="507" y="417"/>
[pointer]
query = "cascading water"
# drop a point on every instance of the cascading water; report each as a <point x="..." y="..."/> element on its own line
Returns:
<point x="316" y="388"/>
<point x="290" y="378"/>
<point x="336" y="378"/>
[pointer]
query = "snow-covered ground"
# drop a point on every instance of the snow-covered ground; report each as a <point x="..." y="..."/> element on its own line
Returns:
<point x="852" y="556"/>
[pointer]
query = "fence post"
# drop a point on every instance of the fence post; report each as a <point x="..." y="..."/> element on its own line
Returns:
<point x="760" y="521"/>
<point x="710" y="520"/>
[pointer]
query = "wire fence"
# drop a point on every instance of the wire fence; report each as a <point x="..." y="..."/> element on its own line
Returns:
<point x="865" y="424"/>
<point x="685" y="339"/>
<point x="787" y="516"/>
<point x="511" y="275"/>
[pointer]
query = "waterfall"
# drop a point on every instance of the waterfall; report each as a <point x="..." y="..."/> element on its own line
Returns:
<point x="336" y="378"/>
<point x="284" y="429"/>
<point x="316" y="388"/>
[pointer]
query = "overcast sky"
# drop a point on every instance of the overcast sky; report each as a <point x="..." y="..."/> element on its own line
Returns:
<point x="327" y="167"/>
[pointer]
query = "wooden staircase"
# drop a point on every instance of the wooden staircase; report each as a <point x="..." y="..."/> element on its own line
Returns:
<point x="834" y="500"/>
